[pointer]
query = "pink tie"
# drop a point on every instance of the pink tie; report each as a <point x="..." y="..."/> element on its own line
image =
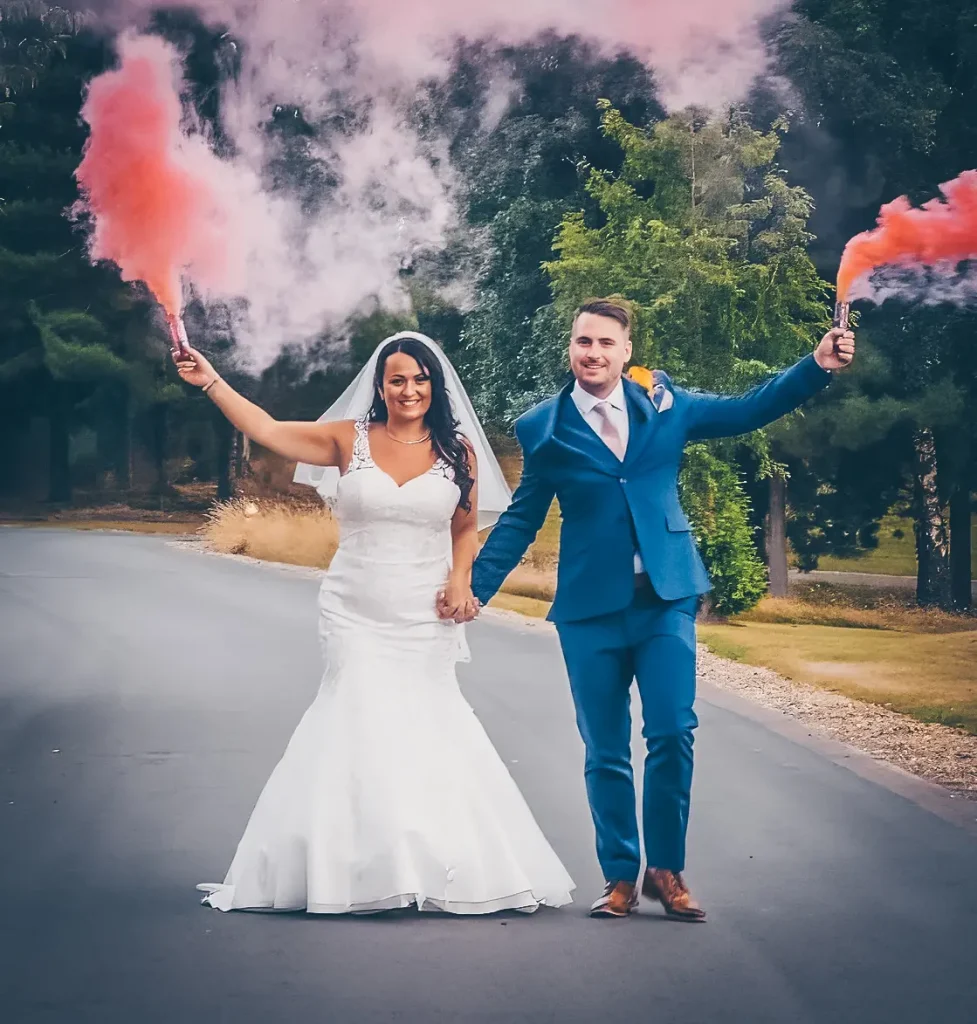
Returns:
<point x="608" y="432"/>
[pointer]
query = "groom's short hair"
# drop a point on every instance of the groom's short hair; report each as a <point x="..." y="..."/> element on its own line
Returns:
<point x="614" y="308"/>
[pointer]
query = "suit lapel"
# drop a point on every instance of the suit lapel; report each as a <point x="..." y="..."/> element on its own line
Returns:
<point x="642" y="421"/>
<point x="582" y="439"/>
<point x="566" y="429"/>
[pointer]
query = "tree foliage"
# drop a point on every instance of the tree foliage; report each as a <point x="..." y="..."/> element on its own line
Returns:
<point x="523" y="176"/>
<point x="703" y="234"/>
<point x="718" y="510"/>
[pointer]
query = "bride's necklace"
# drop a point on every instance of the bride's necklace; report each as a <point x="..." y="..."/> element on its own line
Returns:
<point x="400" y="440"/>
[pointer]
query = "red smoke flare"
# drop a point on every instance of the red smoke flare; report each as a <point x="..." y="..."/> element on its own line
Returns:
<point x="941" y="231"/>
<point x="153" y="192"/>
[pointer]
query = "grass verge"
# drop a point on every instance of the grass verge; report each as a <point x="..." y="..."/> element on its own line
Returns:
<point x="929" y="675"/>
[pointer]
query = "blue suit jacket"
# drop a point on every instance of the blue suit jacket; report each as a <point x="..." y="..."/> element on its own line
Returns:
<point x="607" y="505"/>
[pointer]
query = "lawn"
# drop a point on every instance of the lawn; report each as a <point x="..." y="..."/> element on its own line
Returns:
<point x="931" y="676"/>
<point x="896" y="553"/>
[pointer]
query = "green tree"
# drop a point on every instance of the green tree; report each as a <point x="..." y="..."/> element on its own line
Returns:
<point x="31" y="34"/>
<point x="54" y="349"/>
<point x="719" y="512"/>
<point x="708" y="241"/>
<point x="885" y="95"/>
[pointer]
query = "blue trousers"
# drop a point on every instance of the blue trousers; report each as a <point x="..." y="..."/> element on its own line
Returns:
<point x="653" y="642"/>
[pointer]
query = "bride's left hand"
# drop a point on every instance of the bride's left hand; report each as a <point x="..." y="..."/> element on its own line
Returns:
<point x="456" y="601"/>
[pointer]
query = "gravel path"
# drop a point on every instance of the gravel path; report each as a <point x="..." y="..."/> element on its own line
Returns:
<point x="933" y="752"/>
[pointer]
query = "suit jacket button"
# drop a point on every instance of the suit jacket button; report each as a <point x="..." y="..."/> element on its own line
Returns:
<point x="623" y="480"/>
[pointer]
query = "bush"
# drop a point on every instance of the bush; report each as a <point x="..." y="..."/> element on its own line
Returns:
<point x="718" y="509"/>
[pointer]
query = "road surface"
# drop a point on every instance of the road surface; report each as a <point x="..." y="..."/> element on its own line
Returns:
<point x="147" y="691"/>
<point x="862" y="579"/>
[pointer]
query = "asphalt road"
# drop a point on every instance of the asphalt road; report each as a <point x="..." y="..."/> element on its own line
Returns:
<point x="145" y="694"/>
<point x="863" y="579"/>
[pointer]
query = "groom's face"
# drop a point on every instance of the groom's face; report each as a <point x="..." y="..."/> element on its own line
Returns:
<point x="600" y="347"/>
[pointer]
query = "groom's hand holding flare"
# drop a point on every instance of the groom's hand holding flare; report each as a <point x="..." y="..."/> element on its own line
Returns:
<point x="836" y="349"/>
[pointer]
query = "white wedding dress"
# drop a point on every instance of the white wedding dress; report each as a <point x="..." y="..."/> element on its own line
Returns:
<point x="389" y="792"/>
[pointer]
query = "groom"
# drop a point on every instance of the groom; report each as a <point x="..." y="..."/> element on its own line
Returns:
<point x="629" y="578"/>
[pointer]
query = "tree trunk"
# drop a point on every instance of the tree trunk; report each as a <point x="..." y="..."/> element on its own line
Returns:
<point x="125" y="466"/>
<point x="932" y="536"/>
<point x="960" y="548"/>
<point x="238" y="457"/>
<point x="158" y="426"/>
<point x="59" y="477"/>
<point x="225" y="443"/>
<point x="114" y="439"/>
<point x="776" y="541"/>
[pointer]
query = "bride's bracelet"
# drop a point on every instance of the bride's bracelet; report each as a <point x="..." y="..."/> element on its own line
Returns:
<point x="207" y="387"/>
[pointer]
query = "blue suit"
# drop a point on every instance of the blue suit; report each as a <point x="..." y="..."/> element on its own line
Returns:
<point x="611" y="631"/>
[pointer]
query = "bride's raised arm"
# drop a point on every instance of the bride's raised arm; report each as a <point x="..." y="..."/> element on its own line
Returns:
<point x="317" y="444"/>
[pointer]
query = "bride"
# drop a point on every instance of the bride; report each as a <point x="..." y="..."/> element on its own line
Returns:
<point x="389" y="793"/>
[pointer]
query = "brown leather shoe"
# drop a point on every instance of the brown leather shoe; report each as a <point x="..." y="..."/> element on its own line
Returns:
<point x="618" y="900"/>
<point x="669" y="888"/>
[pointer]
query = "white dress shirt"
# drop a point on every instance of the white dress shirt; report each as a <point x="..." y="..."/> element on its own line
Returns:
<point x="617" y="409"/>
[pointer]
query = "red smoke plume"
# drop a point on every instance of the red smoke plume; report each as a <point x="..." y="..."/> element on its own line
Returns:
<point x="942" y="231"/>
<point x="154" y="193"/>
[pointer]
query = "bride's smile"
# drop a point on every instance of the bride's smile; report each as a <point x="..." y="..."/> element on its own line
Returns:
<point x="407" y="394"/>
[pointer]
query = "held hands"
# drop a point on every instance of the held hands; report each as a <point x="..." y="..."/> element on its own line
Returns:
<point x="195" y="370"/>
<point x="456" y="601"/>
<point x="836" y="349"/>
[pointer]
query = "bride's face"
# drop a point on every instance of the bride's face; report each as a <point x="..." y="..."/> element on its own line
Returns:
<point x="406" y="388"/>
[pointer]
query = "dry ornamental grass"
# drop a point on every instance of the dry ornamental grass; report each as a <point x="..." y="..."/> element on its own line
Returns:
<point x="275" y="530"/>
<point x="305" y="533"/>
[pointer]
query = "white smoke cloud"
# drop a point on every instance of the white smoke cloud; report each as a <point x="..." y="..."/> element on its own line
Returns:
<point x="927" y="285"/>
<point x="395" y="194"/>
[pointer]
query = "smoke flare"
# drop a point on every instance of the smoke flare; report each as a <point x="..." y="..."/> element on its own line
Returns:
<point x="154" y="193"/>
<point x="938" y="235"/>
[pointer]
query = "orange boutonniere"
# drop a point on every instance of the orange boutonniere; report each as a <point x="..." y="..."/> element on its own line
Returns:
<point x="642" y="377"/>
<point x="660" y="395"/>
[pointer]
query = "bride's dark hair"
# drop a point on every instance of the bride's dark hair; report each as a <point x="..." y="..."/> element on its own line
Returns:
<point x="448" y="443"/>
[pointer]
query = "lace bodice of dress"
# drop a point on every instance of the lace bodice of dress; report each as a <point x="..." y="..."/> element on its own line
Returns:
<point x="383" y="522"/>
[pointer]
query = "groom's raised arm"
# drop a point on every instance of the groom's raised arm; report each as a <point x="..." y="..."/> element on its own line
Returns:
<point x="727" y="416"/>
<point x="513" y="533"/>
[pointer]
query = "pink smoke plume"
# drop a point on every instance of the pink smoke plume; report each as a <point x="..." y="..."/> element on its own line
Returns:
<point x="938" y="235"/>
<point x="156" y="195"/>
<point x="394" y="194"/>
